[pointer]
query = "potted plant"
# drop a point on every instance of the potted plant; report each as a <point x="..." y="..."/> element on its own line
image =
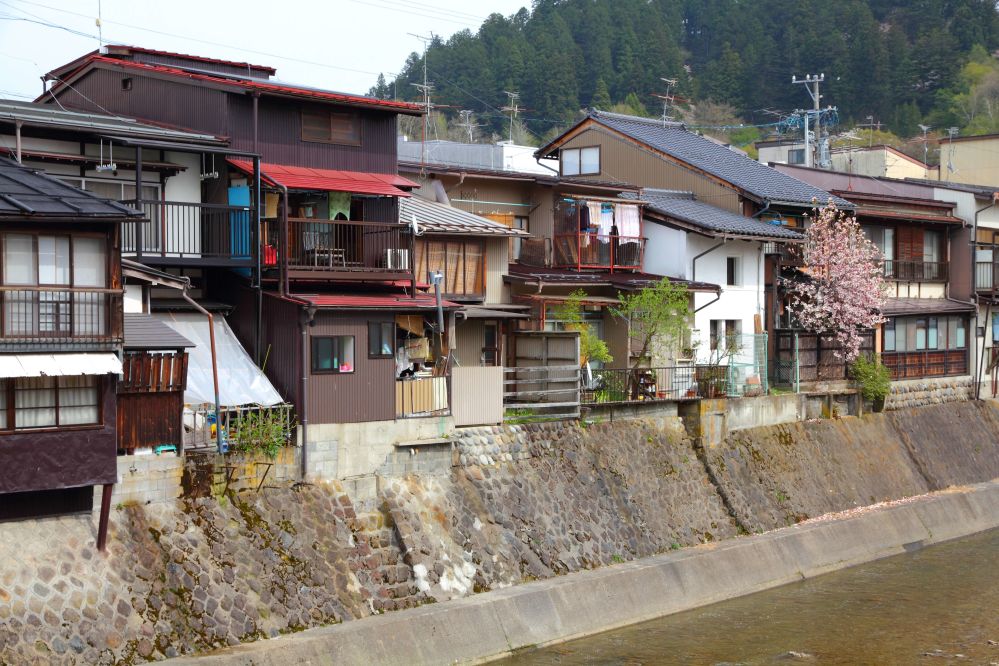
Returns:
<point x="874" y="380"/>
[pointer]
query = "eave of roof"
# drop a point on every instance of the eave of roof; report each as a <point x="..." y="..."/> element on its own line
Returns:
<point x="234" y="82"/>
<point x="26" y="194"/>
<point x="438" y="218"/>
<point x="566" y="277"/>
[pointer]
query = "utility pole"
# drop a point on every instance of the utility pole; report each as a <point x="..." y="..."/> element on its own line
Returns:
<point x="925" y="128"/>
<point x="871" y="125"/>
<point x="811" y="83"/>
<point x="426" y="88"/>
<point x="513" y="108"/>
<point x="466" y="122"/>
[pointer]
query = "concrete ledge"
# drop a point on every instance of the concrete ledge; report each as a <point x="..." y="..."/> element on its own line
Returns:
<point x="491" y="625"/>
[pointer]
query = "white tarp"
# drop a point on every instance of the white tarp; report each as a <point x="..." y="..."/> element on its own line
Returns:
<point x="55" y="365"/>
<point x="240" y="381"/>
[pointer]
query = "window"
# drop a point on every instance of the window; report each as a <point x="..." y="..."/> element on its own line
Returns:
<point x="331" y="127"/>
<point x="580" y="161"/>
<point x="126" y="83"/>
<point x="907" y="334"/>
<point x="516" y="243"/>
<point x="727" y="330"/>
<point x="889" y="335"/>
<point x="49" y="402"/>
<point x="796" y="156"/>
<point x="732" y="271"/>
<point x="333" y="355"/>
<point x="381" y="339"/>
<point x="490" y="346"/>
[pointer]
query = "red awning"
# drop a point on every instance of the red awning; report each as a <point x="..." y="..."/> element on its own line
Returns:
<point x="329" y="180"/>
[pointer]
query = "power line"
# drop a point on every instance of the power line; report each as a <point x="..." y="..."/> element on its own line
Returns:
<point x="513" y="107"/>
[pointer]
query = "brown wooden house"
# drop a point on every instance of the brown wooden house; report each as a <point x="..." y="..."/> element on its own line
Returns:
<point x="61" y="335"/>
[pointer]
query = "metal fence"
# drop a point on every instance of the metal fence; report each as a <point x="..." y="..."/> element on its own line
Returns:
<point x="200" y="424"/>
<point x="801" y="356"/>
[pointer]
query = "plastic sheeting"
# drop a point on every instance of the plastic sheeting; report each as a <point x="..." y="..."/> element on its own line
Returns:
<point x="240" y="381"/>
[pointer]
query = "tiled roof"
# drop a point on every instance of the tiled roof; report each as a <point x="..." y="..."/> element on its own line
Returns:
<point x="621" y="280"/>
<point x="144" y="331"/>
<point x="372" y="301"/>
<point x="28" y="194"/>
<point x="264" y="86"/>
<point x="905" y="306"/>
<point x="438" y="218"/>
<point x="684" y="207"/>
<point x="741" y="171"/>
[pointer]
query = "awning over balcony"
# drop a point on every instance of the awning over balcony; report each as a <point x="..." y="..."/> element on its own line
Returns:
<point x="328" y="180"/>
<point x="59" y="365"/>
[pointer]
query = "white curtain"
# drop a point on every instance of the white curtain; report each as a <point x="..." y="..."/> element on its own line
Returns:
<point x="89" y="270"/>
<point x="34" y="402"/>
<point x="53" y="260"/>
<point x="77" y="400"/>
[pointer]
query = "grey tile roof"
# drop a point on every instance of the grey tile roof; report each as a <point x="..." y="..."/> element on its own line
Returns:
<point x="28" y="194"/>
<point x="437" y="218"/>
<point x="905" y="306"/>
<point x="682" y="206"/>
<point x="741" y="171"/>
<point x="143" y="331"/>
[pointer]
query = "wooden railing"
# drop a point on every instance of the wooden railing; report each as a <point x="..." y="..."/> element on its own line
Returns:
<point x="926" y="363"/>
<point x="598" y="251"/>
<point x="57" y="317"/>
<point x="916" y="271"/>
<point x="182" y="232"/>
<point x="341" y="247"/>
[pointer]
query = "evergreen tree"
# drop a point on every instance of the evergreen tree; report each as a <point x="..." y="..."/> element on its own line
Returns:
<point x="601" y="96"/>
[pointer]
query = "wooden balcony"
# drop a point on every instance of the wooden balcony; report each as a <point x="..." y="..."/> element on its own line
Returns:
<point x="926" y="363"/>
<point x="584" y="250"/>
<point x="47" y="318"/>
<point x="180" y="233"/>
<point x="916" y="271"/>
<point x="341" y="250"/>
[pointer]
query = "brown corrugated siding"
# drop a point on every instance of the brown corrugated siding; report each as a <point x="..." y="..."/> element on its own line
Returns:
<point x="280" y="136"/>
<point x="368" y="393"/>
<point x="960" y="265"/>
<point x="624" y="162"/>
<point x="280" y="342"/>
<point x="174" y="103"/>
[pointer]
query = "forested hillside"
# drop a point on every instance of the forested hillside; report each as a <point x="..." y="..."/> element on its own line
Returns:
<point x="902" y="62"/>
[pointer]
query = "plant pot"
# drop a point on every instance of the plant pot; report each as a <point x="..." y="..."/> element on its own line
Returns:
<point x="878" y="405"/>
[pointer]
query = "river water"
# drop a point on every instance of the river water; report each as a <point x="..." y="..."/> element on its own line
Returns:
<point x="935" y="606"/>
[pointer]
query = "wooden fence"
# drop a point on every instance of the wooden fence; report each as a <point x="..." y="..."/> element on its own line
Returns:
<point x="542" y="378"/>
<point x="151" y="400"/>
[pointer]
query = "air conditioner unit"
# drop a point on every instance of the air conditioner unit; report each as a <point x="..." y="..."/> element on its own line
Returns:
<point x="396" y="259"/>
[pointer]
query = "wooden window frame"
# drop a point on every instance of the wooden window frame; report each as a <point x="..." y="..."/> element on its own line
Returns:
<point x="332" y="139"/>
<point x="7" y="393"/>
<point x="331" y="371"/>
<point x="379" y="326"/>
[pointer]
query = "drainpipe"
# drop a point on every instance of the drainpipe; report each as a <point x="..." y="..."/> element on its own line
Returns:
<point x="974" y="287"/>
<point x="693" y="262"/>
<point x="283" y="242"/>
<point x="305" y="320"/>
<point x="215" y="367"/>
<point x="17" y="139"/>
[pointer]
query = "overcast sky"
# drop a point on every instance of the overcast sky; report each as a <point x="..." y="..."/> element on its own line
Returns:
<point x="336" y="44"/>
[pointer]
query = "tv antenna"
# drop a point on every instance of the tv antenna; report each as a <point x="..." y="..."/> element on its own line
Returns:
<point x="466" y="122"/>
<point x="951" y="133"/>
<point x="667" y="99"/>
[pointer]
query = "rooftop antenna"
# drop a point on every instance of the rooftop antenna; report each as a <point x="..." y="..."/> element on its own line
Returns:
<point x="513" y="108"/>
<point x="466" y="122"/>
<point x="100" y="27"/>
<point x="951" y="133"/>
<point x="925" y="128"/>
<point x="667" y="99"/>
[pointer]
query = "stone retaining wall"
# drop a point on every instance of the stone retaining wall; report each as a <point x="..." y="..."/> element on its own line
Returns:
<point x="146" y="479"/>
<point x="922" y="392"/>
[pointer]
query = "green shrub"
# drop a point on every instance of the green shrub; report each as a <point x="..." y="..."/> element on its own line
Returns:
<point x="261" y="431"/>
<point x="874" y="378"/>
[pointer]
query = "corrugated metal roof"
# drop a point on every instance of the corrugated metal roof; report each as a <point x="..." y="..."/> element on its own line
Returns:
<point x="399" y="302"/>
<point x="438" y="218"/>
<point x="219" y="61"/>
<point x="741" y="171"/>
<point x="46" y="115"/>
<point x="26" y="193"/>
<point x="246" y="83"/>
<point x="329" y="180"/>
<point x="625" y="281"/>
<point x="59" y="365"/>
<point x="143" y="331"/>
<point x="906" y="306"/>
<point x="715" y="221"/>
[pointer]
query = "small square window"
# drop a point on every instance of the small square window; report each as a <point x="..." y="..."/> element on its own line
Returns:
<point x="126" y="83"/>
<point x="381" y="339"/>
<point x="333" y="355"/>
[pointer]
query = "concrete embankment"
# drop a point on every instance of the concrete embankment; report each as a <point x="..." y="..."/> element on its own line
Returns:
<point x="494" y="624"/>
<point x="518" y="504"/>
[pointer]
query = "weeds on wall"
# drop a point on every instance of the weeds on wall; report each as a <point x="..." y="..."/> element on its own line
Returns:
<point x="262" y="431"/>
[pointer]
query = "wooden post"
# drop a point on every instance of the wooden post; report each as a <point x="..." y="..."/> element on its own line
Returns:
<point x="102" y="526"/>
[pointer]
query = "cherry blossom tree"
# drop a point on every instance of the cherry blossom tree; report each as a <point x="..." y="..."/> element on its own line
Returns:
<point x="846" y="289"/>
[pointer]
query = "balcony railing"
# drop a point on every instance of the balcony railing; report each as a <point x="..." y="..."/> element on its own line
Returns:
<point x="195" y="233"/>
<point x="585" y="250"/>
<point x="421" y="396"/>
<point x="348" y="249"/>
<point x="44" y="318"/>
<point x="986" y="276"/>
<point x="927" y="363"/>
<point x="916" y="271"/>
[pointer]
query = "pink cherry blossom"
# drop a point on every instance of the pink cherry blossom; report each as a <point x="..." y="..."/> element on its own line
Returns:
<point x="845" y="290"/>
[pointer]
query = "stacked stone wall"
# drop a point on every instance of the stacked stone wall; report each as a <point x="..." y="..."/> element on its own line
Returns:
<point x="924" y="392"/>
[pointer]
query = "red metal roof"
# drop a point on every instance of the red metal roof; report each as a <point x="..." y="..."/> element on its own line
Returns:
<point x="308" y="178"/>
<point x="373" y="301"/>
<point x="247" y="84"/>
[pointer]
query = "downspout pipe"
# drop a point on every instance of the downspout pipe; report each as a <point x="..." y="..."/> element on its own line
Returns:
<point x="215" y="366"/>
<point x="283" y="242"/>
<point x="693" y="262"/>
<point x="307" y="317"/>
<point x="974" y="287"/>
<point x="17" y="139"/>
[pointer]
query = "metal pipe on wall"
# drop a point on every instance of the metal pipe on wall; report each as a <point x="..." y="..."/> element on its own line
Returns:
<point x="17" y="139"/>
<point x="305" y="320"/>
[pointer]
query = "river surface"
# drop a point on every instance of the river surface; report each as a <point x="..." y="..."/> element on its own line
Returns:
<point x="935" y="606"/>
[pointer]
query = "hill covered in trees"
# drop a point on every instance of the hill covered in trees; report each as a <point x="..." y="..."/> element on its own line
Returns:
<point x="901" y="62"/>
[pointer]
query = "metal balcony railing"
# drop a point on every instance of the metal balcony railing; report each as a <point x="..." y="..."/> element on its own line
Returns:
<point x="49" y="317"/>
<point x="343" y="247"/>
<point x="916" y="271"/>
<point x="182" y="232"/>
<point x="584" y="250"/>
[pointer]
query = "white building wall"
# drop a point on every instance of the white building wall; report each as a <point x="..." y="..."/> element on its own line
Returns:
<point x="665" y="251"/>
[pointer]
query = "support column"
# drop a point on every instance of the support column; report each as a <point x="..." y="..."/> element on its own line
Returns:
<point x="102" y="526"/>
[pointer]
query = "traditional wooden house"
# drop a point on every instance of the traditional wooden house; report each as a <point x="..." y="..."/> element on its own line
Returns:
<point x="61" y="335"/>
